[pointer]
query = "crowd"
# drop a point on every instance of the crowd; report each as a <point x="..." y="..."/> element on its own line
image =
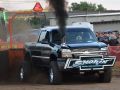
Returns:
<point x="111" y="38"/>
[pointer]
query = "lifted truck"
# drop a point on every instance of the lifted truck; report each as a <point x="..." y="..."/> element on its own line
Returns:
<point x="78" y="52"/>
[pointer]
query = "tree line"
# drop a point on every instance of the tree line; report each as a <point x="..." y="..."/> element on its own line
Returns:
<point x="85" y="6"/>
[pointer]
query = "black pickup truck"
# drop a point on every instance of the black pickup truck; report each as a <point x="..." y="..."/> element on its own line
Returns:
<point x="78" y="52"/>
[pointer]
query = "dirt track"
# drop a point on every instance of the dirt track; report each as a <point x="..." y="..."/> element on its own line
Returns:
<point x="114" y="85"/>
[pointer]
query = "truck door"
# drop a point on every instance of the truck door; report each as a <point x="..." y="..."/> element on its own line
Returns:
<point x="43" y="48"/>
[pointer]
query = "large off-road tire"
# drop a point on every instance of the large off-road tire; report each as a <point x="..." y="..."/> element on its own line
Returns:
<point x="54" y="73"/>
<point x="106" y="76"/>
<point x="25" y="71"/>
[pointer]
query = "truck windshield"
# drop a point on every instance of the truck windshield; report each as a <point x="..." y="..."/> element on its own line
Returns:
<point x="79" y="35"/>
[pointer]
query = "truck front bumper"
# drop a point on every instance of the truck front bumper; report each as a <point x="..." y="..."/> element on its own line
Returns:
<point x="86" y="63"/>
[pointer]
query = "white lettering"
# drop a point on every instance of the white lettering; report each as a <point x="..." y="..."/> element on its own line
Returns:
<point x="89" y="62"/>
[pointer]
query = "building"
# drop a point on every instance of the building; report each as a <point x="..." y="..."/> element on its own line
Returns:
<point x="101" y="21"/>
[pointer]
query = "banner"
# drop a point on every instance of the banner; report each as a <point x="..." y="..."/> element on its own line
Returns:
<point x="114" y="51"/>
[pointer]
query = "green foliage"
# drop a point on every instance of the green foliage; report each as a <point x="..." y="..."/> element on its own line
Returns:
<point x="100" y="8"/>
<point x="37" y="22"/>
<point x="85" y="6"/>
<point x="75" y="6"/>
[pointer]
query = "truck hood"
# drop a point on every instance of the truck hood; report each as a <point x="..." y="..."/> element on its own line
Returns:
<point x="87" y="45"/>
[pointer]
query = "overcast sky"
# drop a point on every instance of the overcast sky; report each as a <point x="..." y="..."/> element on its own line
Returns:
<point x="29" y="4"/>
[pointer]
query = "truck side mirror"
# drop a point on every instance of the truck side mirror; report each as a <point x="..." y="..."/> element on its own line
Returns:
<point x="44" y="41"/>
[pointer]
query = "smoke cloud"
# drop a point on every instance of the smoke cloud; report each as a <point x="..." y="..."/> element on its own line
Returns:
<point x="61" y="14"/>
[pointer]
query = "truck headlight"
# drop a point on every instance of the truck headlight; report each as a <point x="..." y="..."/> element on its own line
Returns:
<point x="104" y="48"/>
<point x="66" y="53"/>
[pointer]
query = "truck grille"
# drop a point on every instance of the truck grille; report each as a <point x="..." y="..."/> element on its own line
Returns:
<point x="85" y="49"/>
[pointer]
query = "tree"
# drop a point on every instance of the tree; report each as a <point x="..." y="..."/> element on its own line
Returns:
<point x="75" y="6"/>
<point x="100" y="8"/>
<point x="38" y="22"/>
<point x="85" y="6"/>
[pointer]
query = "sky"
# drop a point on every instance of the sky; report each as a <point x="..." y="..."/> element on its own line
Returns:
<point x="29" y="4"/>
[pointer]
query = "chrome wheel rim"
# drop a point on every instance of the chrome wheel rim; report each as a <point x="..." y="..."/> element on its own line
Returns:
<point x="51" y="75"/>
<point x="21" y="74"/>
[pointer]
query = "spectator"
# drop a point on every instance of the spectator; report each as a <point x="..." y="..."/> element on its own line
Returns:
<point x="113" y="41"/>
<point x="110" y="38"/>
<point x="100" y="37"/>
<point x="103" y="37"/>
<point x="106" y="38"/>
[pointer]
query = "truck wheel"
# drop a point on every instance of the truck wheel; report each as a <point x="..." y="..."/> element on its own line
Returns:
<point x="54" y="73"/>
<point x="25" y="71"/>
<point x="106" y="76"/>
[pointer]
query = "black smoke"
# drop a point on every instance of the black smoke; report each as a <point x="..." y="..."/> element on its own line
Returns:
<point x="61" y="14"/>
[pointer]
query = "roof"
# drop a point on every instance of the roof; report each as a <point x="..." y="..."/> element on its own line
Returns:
<point x="49" y="28"/>
<point x="92" y="15"/>
<point x="99" y="14"/>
